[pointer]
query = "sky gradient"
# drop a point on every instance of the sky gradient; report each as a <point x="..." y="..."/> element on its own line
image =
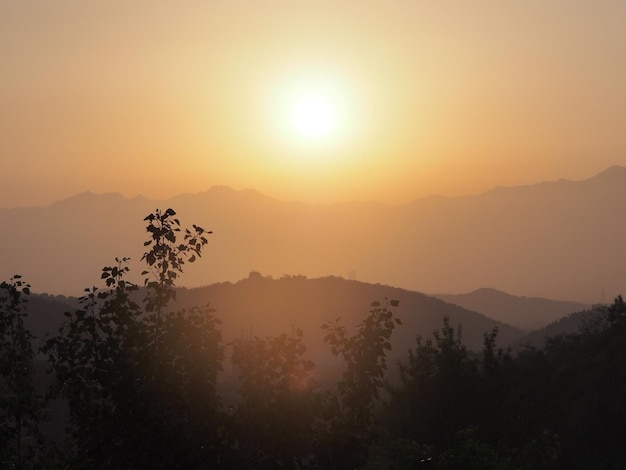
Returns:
<point x="160" y="98"/>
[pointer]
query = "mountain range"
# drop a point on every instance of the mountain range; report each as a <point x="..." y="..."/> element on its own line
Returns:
<point x="560" y="240"/>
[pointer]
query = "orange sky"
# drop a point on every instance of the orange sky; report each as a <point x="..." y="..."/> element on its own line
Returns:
<point x="159" y="97"/>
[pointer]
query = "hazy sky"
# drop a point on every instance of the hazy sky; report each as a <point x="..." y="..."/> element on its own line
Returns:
<point x="161" y="97"/>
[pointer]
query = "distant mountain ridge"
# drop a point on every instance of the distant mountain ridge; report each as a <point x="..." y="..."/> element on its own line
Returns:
<point x="526" y="313"/>
<point x="560" y="239"/>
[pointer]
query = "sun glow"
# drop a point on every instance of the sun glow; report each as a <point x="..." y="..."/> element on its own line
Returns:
<point x="312" y="112"/>
<point x="313" y="116"/>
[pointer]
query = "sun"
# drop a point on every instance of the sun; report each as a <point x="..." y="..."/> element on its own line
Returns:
<point x="313" y="115"/>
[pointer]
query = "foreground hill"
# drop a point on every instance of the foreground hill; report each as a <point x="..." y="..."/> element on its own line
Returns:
<point x="564" y="326"/>
<point x="261" y="306"/>
<point x="46" y="314"/>
<point x="527" y="313"/>
<point x="559" y="239"/>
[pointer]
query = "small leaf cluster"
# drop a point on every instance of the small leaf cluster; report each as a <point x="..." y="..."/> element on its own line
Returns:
<point x="167" y="254"/>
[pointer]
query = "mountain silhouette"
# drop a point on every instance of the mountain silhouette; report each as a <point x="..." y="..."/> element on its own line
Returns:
<point x="526" y="313"/>
<point x="261" y="306"/>
<point x="569" y="324"/>
<point x="558" y="240"/>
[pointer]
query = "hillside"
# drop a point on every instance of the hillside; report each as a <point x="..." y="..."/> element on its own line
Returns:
<point x="45" y="314"/>
<point x="262" y="306"/>
<point x="569" y="324"/>
<point x="526" y="313"/>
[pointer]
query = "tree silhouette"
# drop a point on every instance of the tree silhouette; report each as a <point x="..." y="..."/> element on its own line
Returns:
<point x="351" y="427"/>
<point x="275" y="421"/>
<point x="20" y="405"/>
<point x="139" y="379"/>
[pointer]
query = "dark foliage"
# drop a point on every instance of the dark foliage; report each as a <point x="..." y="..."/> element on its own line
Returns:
<point x="274" y="424"/>
<point x="140" y="380"/>
<point x="561" y="406"/>
<point x="350" y="425"/>
<point x="21" y="406"/>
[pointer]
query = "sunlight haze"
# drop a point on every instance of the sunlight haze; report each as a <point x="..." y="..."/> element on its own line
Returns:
<point x="408" y="98"/>
<point x="330" y="234"/>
